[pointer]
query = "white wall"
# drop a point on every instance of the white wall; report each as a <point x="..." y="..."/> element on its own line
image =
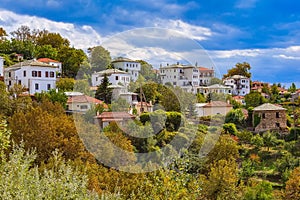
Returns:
<point x="114" y="79"/>
<point x="1" y="66"/>
<point x="27" y="80"/>
<point x="133" y="68"/>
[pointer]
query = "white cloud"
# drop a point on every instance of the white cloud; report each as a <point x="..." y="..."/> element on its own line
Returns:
<point x="53" y="3"/>
<point x="79" y="36"/>
<point x="192" y="31"/>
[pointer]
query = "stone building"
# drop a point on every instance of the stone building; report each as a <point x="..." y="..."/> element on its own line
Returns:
<point x="269" y="117"/>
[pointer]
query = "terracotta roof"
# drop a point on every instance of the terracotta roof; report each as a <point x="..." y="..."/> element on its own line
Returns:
<point x="205" y="69"/>
<point x="238" y="97"/>
<point x="268" y="106"/>
<point x="115" y="115"/>
<point x="47" y="60"/>
<point x="217" y="104"/>
<point x="84" y="99"/>
<point x="29" y="63"/>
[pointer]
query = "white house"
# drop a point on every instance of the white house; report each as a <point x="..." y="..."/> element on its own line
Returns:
<point x="32" y="74"/>
<point x="240" y="84"/>
<point x="115" y="77"/>
<point x="188" y="77"/>
<point x="216" y="88"/>
<point x="130" y="66"/>
<point x="51" y="62"/>
<point x="179" y="75"/>
<point x="1" y="66"/>
<point x="205" y="76"/>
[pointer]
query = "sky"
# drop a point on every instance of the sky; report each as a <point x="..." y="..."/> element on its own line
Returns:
<point x="215" y="33"/>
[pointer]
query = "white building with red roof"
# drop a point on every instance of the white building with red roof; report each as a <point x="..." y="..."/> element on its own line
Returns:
<point x="52" y="62"/>
<point x="79" y="102"/>
<point x="105" y="118"/>
<point x="34" y="75"/>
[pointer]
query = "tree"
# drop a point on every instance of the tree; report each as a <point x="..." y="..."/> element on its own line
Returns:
<point x="292" y="88"/>
<point x="46" y="131"/>
<point x="269" y="140"/>
<point x="230" y="128"/>
<point x="55" y="40"/>
<point x="235" y="116"/>
<point x="99" y="58"/>
<point x="261" y="191"/>
<point x="23" y="33"/>
<point x="200" y="98"/>
<point x="3" y="34"/>
<point x="71" y="59"/>
<point x="254" y="99"/>
<point x="292" y="187"/>
<point x="103" y="92"/>
<point x="147" y="71"/>
<point x="65" y="84"/>
<point x="239" y="69"/>
<point x="46" y="51"/>
<point x="21" y="179"/>
<point x="221" y="181"/>
<point x="82" y="86"/>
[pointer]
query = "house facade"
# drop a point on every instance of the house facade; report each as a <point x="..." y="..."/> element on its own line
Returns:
<point x="128" y="65"/>
<point x="105" y="118"/>
<point x="80" y="103"/>
<point x="33" y="75"/>
<point x="240" y="84"/>
<point x="205" y="76"/>
<point x="187" y="77"/>
<point x="216" y="88"/>
<point x="269" y="117"/>
<point x="212" y="108"/>
<point x="115" y="77"/>
<point x="52" y="62"/>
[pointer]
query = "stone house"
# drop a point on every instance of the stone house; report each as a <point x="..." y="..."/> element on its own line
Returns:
<point x="269" y="117"/>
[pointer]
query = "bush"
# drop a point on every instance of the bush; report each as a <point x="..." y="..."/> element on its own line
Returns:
<point x="230" y="128"/>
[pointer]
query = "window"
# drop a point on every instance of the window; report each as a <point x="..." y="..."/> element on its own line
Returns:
<point x="24" y="73"/>
<point x="51" y="74"/>
<point x="48" y="86"/>
<point x="117" y="78"/>
<point x="277" y="125"/>
<point x="34" y="73"/>
<point x="36" y="86"/>
<point x="277" y="114"/>
<point x="47" y="74"/>
<point x="83" y="107"/>
<point x="39" y="74"/>
<point x="174" y="76"/>
<point x="96" y="78"/>
<point x="19" y="82"/>
<point x="9" y="74"/>
<point x="9" y="83"/>
<point x="263" y="115"/>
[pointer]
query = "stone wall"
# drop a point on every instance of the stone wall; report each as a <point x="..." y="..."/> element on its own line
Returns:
<point x="270" y="120"/>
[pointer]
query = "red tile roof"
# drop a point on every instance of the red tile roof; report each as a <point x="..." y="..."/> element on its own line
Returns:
<point x="205" y="69"/>
<point x="238" y="97"/>
<point x="47" y="60"/>
<point x="84" y="99"/>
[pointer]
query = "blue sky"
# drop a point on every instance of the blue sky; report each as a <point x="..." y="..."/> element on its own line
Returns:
<point x="265" y="33"/>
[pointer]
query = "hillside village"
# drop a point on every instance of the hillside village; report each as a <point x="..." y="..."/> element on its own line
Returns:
<point x="53" y="91"/>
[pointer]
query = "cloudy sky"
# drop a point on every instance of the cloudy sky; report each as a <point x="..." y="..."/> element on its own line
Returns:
<point x="265" y="33"/>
